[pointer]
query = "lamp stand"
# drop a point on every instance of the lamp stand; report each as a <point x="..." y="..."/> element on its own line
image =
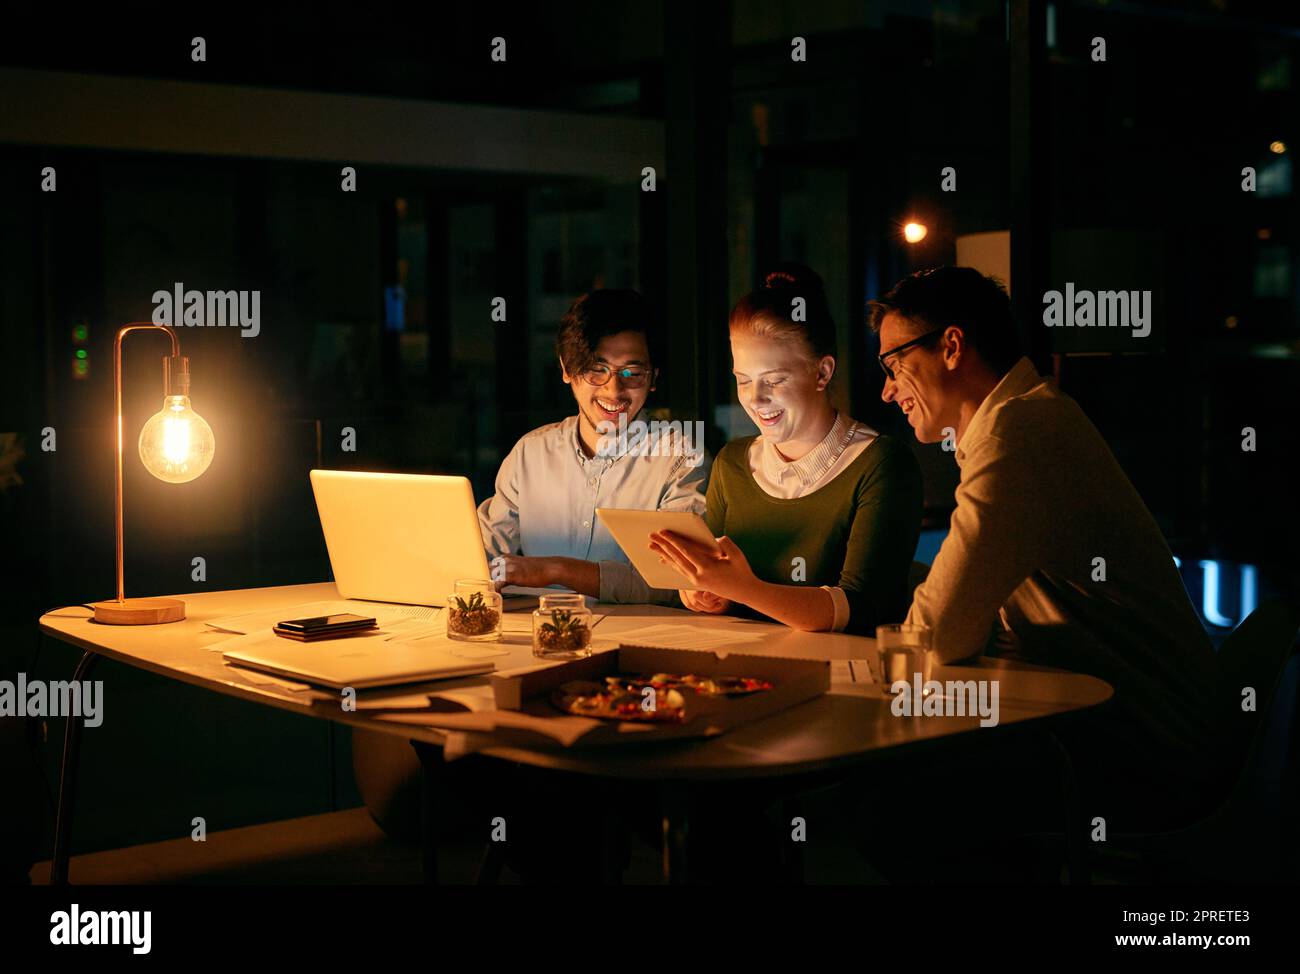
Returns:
<point x="123" y="611"/>
<point x="138" y="612"/>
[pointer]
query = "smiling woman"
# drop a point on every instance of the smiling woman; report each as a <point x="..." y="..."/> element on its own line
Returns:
<point x="818" y="515"/>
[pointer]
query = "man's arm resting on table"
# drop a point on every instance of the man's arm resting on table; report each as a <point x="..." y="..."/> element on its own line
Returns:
<point x="541" y="571"/>
<point x="581" y="576"/>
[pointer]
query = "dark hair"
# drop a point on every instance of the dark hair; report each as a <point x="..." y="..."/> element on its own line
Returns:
<point x="960" y="296"/>
<point x="768" y="310"/>
<point x="599" y="314"/>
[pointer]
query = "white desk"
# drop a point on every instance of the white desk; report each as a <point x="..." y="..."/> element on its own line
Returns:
<point x="844" y="727"/>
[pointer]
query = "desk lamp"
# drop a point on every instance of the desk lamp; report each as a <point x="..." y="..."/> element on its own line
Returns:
<point x="176" y="445"/>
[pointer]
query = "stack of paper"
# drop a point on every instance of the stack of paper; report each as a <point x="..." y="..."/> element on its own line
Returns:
<point x="383" y="614"/>
<point x="679" y="636"/>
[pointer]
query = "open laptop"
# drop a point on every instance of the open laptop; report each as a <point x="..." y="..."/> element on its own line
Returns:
<point x="394" y="538"/>
<point x="397" y="537"/>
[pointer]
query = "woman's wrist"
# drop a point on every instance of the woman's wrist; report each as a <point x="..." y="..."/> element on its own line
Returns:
<point x="774" y="599"/>
<point x="758" y="593"/>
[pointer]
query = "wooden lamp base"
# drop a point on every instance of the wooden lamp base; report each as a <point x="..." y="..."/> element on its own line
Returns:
<point x="138" y="612"/>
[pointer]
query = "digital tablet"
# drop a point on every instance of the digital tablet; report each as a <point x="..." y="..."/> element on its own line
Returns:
<point x="632" y="530"/>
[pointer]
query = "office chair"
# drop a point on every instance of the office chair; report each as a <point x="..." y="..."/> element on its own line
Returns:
<point x="1217" y="844"/>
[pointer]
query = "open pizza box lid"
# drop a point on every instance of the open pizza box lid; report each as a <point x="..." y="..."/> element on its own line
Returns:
<point x="525" y="694"/>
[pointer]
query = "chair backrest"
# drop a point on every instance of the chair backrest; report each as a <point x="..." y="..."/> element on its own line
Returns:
<point x="1254" y="655"/>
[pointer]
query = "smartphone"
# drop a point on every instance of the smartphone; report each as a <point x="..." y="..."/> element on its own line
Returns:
<point x="332" y="623"/>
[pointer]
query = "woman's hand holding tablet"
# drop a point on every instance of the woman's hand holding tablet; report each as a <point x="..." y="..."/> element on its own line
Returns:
<point x="676" y="550"/>
<point x="633" y="531"/>
<point x="701" y="601"/>
<point x="720" y="570"/>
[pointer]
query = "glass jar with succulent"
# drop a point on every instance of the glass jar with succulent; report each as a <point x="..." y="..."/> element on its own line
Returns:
<point x="474" y="611"/>
<point x="562" y="627"/>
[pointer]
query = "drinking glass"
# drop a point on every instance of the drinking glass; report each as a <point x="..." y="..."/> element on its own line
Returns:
<point x="903" y="652"/>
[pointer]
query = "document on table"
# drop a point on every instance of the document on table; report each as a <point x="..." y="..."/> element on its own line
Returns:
<point x="854" y="677"/>
<point x="260" y="638"/>
<point x="383" y="614"/>
<point x="677" y="636"/>
<point x="241" y="676"/>
<point x="464" y="648"/>
<point x="462" y="694"/>
<point x="265" y="679"/>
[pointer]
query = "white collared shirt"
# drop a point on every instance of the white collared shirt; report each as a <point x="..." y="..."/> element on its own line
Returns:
<point x="789" y="479"/>
<point x="797" y="478"/>
<point x="548" y="489"/>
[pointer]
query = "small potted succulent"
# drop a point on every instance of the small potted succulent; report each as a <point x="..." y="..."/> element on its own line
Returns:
<point x="474" y="611"/>
<point x="562" y="627"/>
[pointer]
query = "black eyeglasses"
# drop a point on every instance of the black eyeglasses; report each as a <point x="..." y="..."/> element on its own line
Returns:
<point x="598" y="375"/>
<point x="928" y="336"/>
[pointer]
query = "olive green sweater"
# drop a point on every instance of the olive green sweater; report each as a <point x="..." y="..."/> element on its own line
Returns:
<point x="857" y="531"/>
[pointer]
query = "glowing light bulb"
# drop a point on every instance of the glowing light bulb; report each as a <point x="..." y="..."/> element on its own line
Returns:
<point x="176" y="444"/>
<point x="914" y="232"/>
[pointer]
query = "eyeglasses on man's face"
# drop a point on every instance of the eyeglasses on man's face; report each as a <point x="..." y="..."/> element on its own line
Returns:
<point x="632" y="377"/>
<point x="928" y="336"/>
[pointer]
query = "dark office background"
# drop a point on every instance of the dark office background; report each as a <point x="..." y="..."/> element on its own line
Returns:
<point x="523" y="180"/>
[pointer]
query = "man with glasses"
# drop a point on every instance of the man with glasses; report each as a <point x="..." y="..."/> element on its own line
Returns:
<point x="1050" y="550"/>
<point x="540" y="527"/>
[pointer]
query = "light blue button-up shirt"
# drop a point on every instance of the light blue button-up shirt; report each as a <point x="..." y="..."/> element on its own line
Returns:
<point x="547" y="492"/>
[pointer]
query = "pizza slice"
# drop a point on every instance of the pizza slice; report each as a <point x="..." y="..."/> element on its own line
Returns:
<point x="586" y="698"/>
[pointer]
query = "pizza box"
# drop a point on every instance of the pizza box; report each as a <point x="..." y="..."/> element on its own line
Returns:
<point x="527" y="692"/>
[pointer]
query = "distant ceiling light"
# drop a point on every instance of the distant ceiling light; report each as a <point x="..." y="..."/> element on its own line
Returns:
<point x="1277" y="147"/>
<point x="914" y="232"/>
